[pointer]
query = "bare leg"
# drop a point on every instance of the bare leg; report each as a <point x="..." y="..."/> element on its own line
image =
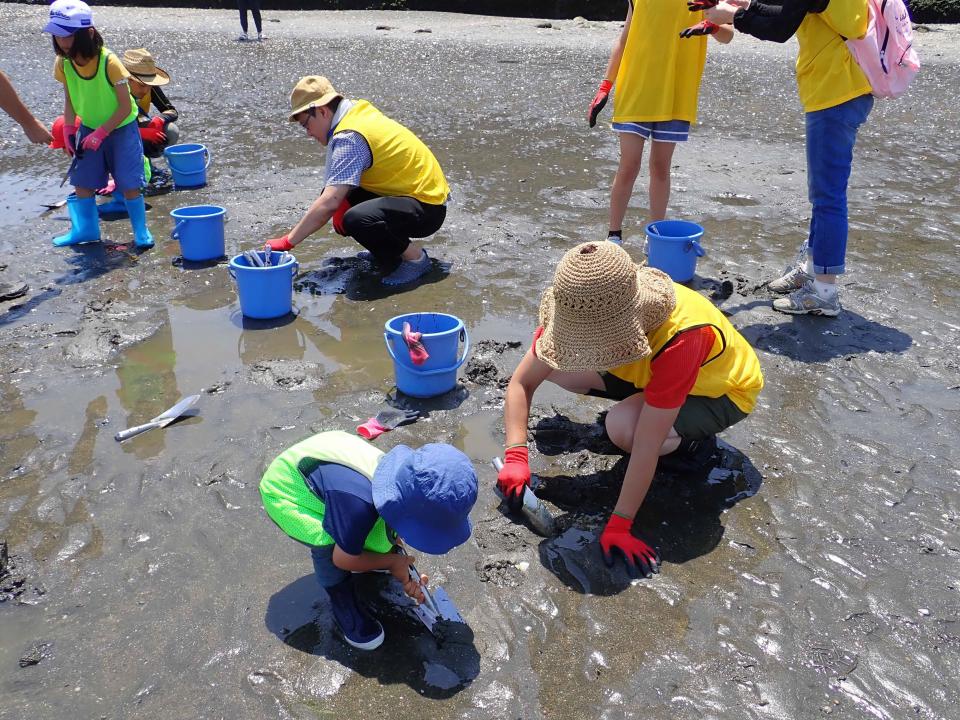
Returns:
<point x="661" y="155"/>
<point x="631" y="155"/>
<point x="622" y="420"/>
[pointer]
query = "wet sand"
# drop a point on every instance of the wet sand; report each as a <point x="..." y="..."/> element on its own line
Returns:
<point x="814" y="572"/>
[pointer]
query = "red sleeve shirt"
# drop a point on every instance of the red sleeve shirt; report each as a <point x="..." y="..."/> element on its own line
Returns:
<point x="674" y="371"/>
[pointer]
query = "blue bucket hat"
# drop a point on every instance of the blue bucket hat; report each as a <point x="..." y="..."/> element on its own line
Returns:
<point x="426" y="495"/>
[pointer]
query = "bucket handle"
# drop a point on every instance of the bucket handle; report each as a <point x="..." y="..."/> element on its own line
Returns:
<point x="175" y="233"/>
<point x="207" y="153"/>
<point x="696" y="247"/>
<point x="464" y="338"/>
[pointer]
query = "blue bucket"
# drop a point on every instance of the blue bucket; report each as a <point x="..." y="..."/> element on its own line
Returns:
<point x="674" y="246"/>
<point x="265" y="292"/>
<point x="442" y="335"/>
<point x="188" y="163"/>
<point x="199" y="229"/>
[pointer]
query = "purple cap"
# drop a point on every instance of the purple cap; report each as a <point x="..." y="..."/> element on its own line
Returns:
<point x="68" y="16"/>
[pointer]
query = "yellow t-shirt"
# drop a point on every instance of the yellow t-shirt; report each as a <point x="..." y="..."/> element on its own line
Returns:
<point x="659" y="75"/>
<point x="116" y="72"/>
<point x="827" y="74"/>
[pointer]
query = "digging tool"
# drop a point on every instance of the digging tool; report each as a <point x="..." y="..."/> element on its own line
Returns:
<point x="437" y="604"/>
<point x="532" y="508"/>
<point x="159" y="421"/>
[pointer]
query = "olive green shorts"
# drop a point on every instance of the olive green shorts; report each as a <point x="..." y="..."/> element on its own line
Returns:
<point x="700" y="417"/>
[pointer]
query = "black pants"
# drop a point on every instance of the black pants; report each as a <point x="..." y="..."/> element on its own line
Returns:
<point x="254" y="7"/>
<point x="384" y="225"/>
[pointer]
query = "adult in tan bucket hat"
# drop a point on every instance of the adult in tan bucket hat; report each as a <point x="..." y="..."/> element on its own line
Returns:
<point x="679" y="371"/>
<point x="382" y="185"/>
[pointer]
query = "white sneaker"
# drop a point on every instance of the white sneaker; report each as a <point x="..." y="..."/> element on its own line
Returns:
<point x="242" y="37"/>
<point x="261" y="37"/>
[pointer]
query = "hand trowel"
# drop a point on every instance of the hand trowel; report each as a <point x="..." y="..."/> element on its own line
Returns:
<point x="159" y="421"/>
<point x="437" y="605"/>
<point x="532" y="507"/>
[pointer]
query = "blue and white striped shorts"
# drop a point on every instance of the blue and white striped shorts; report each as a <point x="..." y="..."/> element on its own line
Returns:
<point x="674" y="131"/>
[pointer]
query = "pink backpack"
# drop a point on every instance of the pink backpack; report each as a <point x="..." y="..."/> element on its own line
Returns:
<point x="885" y="53"/>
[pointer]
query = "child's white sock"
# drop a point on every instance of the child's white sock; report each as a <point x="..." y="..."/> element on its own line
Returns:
<point x="824" y="290"/>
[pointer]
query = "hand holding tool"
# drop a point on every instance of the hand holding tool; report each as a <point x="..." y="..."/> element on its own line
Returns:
<point x="637" y="554"/>
<point x="599" y="100"/>
<point x="280" y="243"/>
<point x="385" y="421"/>
<point x="531" y="506"/>
<point x="159" y="421"/>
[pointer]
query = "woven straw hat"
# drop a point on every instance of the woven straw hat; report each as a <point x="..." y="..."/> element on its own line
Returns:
<point x="139" y="63"/>
<point x="601" y="306"/>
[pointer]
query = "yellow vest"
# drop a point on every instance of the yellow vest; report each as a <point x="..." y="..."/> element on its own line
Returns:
<point x="294" y="507"/>
<point x="731" y="369"/>
<point x="402" y="165"/>
<point x="827" y="74"/>
<point x="659" y="75"/>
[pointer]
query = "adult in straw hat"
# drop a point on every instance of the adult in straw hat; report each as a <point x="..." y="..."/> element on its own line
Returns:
<point x="678" y="369"/>
<point x="382" y="185"/>
<point x="146" y="81"/>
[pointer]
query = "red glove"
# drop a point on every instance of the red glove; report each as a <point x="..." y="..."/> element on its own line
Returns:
<point x="705" y="27"/>
<point x="514" y="476"/>
<point x="94" y="140"/>
<point x="153" y="132"/>
<point x="599" y="100"/>
<point x="636" y="553"/>
<point x="337" y="218"/>
<point x="280" y="244"/>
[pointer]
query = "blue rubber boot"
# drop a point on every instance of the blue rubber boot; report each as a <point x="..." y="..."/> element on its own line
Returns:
<point x="115" y="206"/>
<point x="85" y="221"/>
<point x="138" y="220"/>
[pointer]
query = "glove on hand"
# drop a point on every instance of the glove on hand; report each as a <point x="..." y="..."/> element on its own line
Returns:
<point x="280" y="244"/>
<point x="704" y="27"/>
<point x="418" y="353"/>
<point x="385" y="421"/>
<point x="94" y="140"/>
<point x="636" y="553"/>
<point x="337" y="218"/>
<point x="599" y="100"/>
<point x="697" y="5"/>
<point x="514" y="476"/>
<point x="151" y="134"/>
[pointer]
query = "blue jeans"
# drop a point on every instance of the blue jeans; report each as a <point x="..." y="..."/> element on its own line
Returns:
<point x="327" y="573"/>
<point x="831" y="135"/>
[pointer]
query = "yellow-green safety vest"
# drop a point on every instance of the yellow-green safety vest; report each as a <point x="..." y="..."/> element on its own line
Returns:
<point x="95" y="99"/>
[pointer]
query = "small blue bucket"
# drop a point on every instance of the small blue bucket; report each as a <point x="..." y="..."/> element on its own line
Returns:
<point x="199" y="229"/>
<point x="188" y="163"/>
<point x="674" y="246"/>
<point x="265" y="292"/>
<point x="442" y="335"/>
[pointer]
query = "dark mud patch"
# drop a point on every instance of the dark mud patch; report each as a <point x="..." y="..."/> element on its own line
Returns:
<point x="502" y="572"/>
<point x="558" y="435"/>
<point x="487" y="366"/>
<point x="37" y="653"/>
<point x="106" y="327"/>
<point x="15" y="583"/>
<point x="288" y="374"/>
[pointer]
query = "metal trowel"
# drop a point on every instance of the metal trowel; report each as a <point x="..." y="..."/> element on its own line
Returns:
<point x="437" y="605"/>
<point x="532" y="507"/>
<point x="159" y="421"/>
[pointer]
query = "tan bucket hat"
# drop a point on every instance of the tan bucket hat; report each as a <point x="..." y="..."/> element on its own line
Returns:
<point x="601" y="306"/>
<point x="139" y="63"/>
<point x="310" y="91"/>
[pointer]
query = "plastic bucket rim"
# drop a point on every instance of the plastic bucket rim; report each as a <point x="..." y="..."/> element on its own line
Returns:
<point x="221" y="211"/>
<point x="458" y="327"/>
<point x="657" y="234"/>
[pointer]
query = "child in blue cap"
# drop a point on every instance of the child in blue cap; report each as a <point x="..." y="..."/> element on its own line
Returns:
<point x="351" y="504"/>
<point x="107" y="140"/>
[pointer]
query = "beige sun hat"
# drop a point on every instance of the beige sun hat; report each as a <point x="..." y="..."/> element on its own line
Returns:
<point x="310" y="91"/>
<point x="139" y="63"/>
<point x="601" y="306"/>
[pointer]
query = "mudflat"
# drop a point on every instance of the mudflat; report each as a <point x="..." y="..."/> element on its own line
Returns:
<point x="813" y="572"/>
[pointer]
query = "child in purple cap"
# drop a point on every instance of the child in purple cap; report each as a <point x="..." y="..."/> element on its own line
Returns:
<point x="107" y="142"/>
<point x="351" y="503"/>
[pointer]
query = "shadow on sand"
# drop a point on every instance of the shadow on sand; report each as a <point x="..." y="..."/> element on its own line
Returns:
<point x="435" y="667"/>
<point x="361" y="279"/>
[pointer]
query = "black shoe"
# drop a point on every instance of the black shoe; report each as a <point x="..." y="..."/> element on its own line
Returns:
<point x="359" y="629"/>
<point x="693" y="456"/>
<point x="12" y="290"/>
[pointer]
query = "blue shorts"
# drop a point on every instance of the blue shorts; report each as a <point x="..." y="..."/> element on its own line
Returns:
<point x="664" y="131"/>
<point x="120" y="155"/>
